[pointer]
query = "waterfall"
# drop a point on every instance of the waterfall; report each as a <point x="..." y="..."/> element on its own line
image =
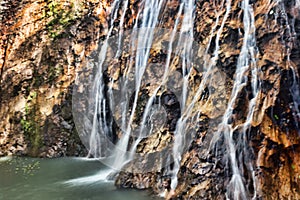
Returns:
<point x="144" y="37"/>
<point x="126" y="98"/>
<point x="99" y="122"/>
<point x="247" y="59"/>
<point x="141" y="37"/>
<point x="179" y="139"/>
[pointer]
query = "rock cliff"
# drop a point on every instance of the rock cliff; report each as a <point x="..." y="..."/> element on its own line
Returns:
<point x="45" y="43"/>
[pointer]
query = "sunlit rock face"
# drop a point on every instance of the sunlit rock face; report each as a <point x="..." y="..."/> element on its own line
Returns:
<point x="272" y="138"/>
<point x="44" y="44"/>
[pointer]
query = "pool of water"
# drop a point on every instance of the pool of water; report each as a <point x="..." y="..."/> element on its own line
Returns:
<point x="60" y="179"/>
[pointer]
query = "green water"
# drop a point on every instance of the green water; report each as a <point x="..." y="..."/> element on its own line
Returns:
<point x="59" y="179"/>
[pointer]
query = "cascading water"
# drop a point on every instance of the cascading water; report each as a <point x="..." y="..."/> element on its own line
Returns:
<point x="187" y="40"/>
<point x="179" y="141"/>
<point x="122" y="110"/>
<point x="100" y="122"/>
<point x="144" y="39"/>
<point x="246" y="62"/>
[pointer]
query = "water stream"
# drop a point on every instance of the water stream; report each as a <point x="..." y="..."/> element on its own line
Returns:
<point x="246" y="63"/>
<point x="124" y="105"/>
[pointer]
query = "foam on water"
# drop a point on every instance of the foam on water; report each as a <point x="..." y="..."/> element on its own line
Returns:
<point x="101" y="176"/>
<point x="6" y="158"/>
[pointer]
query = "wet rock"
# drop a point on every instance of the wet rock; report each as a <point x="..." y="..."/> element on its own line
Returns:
<point x="39" y="58"/>
<point x="272" y="134"/>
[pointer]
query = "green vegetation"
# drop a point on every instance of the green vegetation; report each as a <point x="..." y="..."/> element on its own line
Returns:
<point x="55" y="72"/>
<point x="61" y="16"/>
<point x="30" y="123"/>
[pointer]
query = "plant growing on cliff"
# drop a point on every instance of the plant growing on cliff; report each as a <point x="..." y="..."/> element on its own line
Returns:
<point x="55" y="71"/>
<point x="29" y="123"/>
<point x="61" y="16"/>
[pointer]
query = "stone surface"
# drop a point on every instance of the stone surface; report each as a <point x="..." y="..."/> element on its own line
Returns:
<point x="273" y="140"/>
<point x="44" y="43"/>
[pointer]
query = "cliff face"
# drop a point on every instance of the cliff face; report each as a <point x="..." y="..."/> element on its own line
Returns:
<point x="44" y="43"/>
<point x="268" y="151"/>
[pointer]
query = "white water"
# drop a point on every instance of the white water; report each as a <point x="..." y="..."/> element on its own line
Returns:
<point x="6" y="158"/>
<point x="162" y="83"/>
<point x="179" y="140"/>
<point x="185" y="40"/>
<point x="57" y="179"/>
<point x="87" y="180"/>
<point x="100" y="125"/>
<point x="247" y="58"/>
<point x="142" y="38"/>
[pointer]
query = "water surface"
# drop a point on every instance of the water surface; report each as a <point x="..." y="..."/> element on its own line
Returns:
<point x="59" y="179"/>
